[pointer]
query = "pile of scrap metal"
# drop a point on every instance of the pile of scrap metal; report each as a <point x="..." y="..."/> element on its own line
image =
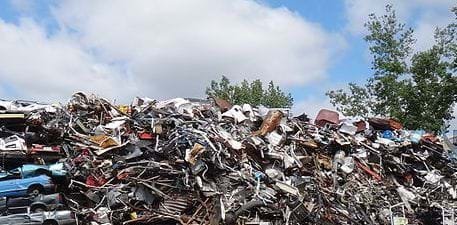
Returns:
<point x="189" y="161"/>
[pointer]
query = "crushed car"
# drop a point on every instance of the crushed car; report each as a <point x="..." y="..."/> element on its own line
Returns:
<point x="32" y="170"/>
<point x="39" y="203"/>
<point x="41" y="218"/>
<point x="13" y="185"/>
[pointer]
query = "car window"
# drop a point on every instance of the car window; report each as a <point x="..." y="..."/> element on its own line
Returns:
<point x="9" y="176"/>
<point x="16" y="172"/>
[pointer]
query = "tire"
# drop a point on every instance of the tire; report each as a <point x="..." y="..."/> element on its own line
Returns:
<point x="50" y="222"/>
<point x="35" y="190"/>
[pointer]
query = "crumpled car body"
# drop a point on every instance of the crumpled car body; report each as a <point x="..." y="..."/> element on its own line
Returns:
<point x="64" y="217"/>
<point x="13" y="143"/>
<point x="54" y="170"/>
<point x="33" y="170"/>
<point x="38" y="203"/>
<point x="25" y="186"/>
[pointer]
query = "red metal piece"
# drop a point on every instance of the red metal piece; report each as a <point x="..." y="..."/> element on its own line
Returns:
<point x="369" y="171"/>
<point x="327" y="116"/>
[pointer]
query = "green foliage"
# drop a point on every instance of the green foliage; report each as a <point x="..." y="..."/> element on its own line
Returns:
<point x="353" y="104"/>
<point x="390" y="44"/>
<point x="418" y="89"/>
<point x="252" y="93"/>
<point x="431" y="92"/>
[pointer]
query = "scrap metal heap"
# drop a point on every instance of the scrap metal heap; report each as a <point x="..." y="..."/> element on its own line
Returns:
<point x="187" y="161"/>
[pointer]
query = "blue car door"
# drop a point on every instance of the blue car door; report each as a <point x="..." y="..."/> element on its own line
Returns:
<point x="7" y="188"/>
<point x="21" y="186"/>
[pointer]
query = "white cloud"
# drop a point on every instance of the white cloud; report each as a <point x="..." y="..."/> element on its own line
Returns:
<point x="426" y="25"/>
<point x="423" y="15"/>
<point x="429" y="11"/>
<point x="51" y="68"/>
<point x="160" y="48"/>
<point x="175" y="47"/>
<point x="357" y="12"/>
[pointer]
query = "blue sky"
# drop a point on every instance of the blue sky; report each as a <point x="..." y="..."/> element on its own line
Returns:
<point x="352" y="65"/>
<point x="166" y="49"/>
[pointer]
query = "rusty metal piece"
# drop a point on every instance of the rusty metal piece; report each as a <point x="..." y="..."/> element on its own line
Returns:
<point x="223" y="104"/>
<point x="327" y="116"/>
<point x="270" y="123"/>
<point x="385" y="124"/>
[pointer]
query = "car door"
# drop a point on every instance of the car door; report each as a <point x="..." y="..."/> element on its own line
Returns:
<point x="22" y="184"/>
<point x="19" y="219"/>
<point x="7" y="187"/>
<point x="18" y="205"/>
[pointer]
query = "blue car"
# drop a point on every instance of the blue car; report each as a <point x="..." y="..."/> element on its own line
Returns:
<point x="54" y="170"/>
<point x="25" y="186"/>
<point x="31" y="170"/>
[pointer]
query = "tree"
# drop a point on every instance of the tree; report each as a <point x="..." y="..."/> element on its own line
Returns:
<point x="432" y="92"/>
<point x="223" y="89"/>
<point x="418" y="89"/>
<point x="355" y="103"/>
<point x="275" y="98"/>
<point x="447" y="42"/>
<point x="251" y="93"/>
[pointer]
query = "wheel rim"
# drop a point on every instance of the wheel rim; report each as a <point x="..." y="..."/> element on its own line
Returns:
<point x="35" y="192"/>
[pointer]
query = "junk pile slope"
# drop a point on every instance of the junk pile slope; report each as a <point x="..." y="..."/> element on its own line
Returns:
<point x="188" y="161"/>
